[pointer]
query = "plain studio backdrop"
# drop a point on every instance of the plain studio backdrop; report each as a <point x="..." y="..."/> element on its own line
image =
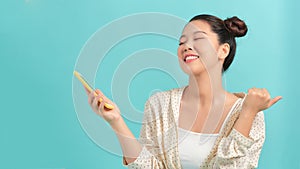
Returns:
<point x="40" y="42"/>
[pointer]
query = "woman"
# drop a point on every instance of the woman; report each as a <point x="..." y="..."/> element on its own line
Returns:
<point x="200" y="125"/>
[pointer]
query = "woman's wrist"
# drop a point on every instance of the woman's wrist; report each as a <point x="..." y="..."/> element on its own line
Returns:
<point x="117" y="124"/>
<point x="244" y="121"/>
<point x="248" y="113"/>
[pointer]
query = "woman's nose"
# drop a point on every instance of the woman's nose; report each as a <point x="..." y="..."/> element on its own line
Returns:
<point x="187" y="48"/>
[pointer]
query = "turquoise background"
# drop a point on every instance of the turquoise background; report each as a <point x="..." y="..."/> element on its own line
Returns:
<point x="41" y="40"/>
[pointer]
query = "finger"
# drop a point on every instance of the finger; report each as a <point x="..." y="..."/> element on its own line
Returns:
<point x="259" y="91"/>
<point x="252" y="90"/>
<point x="99" y="92"/>
<point x="108" y="105"/>
<point x="92" y="94"/>
<point x="105" y="100"/>
<point x="91" y="98"/>
<point x="264" y="90"/>
<point x="101" y="109"/>
<point x="86" y="90"/>
<point x="96" y="103"/>
<point x="275" y="100"/>
<point x="266" y="94"/>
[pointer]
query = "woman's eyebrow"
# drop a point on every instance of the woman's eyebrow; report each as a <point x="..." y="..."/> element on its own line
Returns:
<point x="182" y="36"/>
<point x="200" y="32"/>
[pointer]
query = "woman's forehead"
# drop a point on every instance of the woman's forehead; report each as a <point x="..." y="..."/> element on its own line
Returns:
<point x="196" y="26"/>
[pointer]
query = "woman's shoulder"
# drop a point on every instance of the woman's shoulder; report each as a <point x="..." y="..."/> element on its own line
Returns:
<point x="163" y="95"/>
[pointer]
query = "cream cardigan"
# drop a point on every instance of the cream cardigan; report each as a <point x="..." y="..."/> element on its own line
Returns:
<point x="159" y="137"/>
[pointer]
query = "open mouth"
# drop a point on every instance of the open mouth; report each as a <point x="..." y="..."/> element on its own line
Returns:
<point x="190" y="58"/>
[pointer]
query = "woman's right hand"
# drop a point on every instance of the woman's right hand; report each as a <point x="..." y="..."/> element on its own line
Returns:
<point x="109" y="115"/>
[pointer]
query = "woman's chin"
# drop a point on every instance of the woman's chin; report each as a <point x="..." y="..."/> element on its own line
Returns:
<point x="192" y="69"/>
<point x="194" y="72"/>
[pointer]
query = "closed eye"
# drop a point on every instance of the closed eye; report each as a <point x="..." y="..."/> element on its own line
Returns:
<point x="181" y="43"/>
<point x="198" y="38"/>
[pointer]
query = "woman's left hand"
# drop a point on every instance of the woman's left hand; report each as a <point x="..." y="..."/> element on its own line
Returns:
<point x="258" y="100"/>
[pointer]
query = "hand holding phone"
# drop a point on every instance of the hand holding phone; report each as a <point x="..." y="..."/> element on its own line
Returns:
<point x="90" y="89"/>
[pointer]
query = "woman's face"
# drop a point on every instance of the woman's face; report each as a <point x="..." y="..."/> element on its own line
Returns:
<point x="199" y="49"/>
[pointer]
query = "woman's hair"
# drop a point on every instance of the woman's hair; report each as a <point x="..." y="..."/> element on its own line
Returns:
<point x="226" y="30"/>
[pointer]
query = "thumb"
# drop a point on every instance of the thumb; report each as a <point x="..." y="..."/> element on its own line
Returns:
<point x="274" y="100"/>
<point x="86" y="90"/>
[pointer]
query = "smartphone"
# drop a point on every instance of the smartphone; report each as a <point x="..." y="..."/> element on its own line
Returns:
<point x="90" y="89"/>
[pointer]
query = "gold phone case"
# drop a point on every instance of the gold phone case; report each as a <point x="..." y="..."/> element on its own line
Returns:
<point x="90" y="89"/>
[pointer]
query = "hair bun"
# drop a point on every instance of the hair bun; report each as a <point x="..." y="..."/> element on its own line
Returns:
<point x="236" y="26"/>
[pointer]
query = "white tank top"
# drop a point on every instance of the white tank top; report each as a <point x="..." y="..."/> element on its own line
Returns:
<point x="194" y="147"/>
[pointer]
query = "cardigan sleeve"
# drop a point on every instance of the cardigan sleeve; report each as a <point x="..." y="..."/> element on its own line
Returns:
<point x="148" y="140"/>
<point x="237" y="151"/>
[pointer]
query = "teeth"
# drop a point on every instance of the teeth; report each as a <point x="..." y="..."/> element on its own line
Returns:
<point x="191" y="58"/>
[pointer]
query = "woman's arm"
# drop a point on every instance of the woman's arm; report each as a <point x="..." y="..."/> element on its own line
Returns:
<point x="242" y="147"/>
<point x="130" y="146"/>
<point x="135" y="154"/>
<point x="237" y="151"/>
<point x="256" y="100"/>
<point x="146" y="159"/>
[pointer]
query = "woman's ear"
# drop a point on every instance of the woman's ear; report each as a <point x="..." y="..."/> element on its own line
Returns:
<point x="224" y="51"/>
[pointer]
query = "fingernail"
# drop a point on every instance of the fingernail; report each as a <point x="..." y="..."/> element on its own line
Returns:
<point x="95" y="94"/>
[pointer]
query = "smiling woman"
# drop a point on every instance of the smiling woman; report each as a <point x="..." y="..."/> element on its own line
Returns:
<point x="200" y="125"/>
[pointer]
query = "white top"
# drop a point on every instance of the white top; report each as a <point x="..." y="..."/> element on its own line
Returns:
<point x="194" y="147"/>
<point x="159" y="138"/>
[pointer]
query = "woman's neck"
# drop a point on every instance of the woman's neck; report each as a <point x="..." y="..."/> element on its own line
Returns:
<point x="206" y="87"/>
